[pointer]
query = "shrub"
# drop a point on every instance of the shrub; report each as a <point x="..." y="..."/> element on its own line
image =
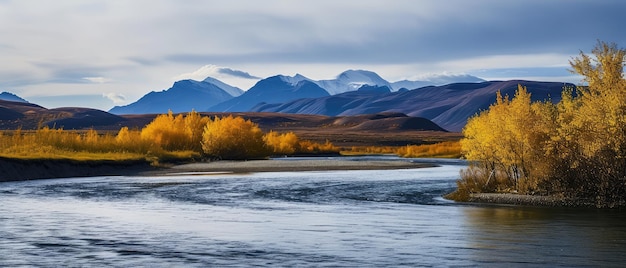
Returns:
<point x="282" y="144"/>
<point x="233" y="138"/>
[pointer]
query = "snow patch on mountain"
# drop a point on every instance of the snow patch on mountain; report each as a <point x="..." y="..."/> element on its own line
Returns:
<point x="294" y="80"/>
<point x="228" y="75"/>
<point x="352" y="80"/>
<point x="234" y="91"/>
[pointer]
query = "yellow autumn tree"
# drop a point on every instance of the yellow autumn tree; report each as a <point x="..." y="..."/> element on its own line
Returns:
<point x="591" y="134"/>
<point x="233" y="138"/>
<point x="575" y="149"/>
<point x="176" y="133"/>
<point x="194" y="124"/>
<point x="165" y="131"/>
<point x="282" y="144"/>
<point x="130" y="141"/>
<point x="506" y="140"/>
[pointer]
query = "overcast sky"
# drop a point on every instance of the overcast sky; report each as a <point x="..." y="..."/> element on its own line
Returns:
<point x="104" y="53"/>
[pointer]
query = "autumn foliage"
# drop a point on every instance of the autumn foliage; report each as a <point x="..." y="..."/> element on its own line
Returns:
<point x="282" y="144"/>
<point x="445" y="149"/>
<point x="289" y="144"/>
<point x="176" y="132"/>
<point x="168" y="136"/>
<point x="575" y="148"/>
<point x="233" y="138"/>
<point x="83" y="145"/>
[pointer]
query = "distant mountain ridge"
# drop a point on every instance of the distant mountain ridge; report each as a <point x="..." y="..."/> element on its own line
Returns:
<point x="183" y="96"/>
<point x="352" y="92"/>
<point x="436" y="80"/>
<point x="449" y="106"/>
<point x="207" y="95"/>
<point x="273" y="89"/>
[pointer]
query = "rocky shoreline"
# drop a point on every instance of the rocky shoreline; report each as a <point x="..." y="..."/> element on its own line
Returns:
<point x="525" y="200"/>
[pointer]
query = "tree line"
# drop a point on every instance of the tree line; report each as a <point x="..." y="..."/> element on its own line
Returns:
<point x="573" y="149"/>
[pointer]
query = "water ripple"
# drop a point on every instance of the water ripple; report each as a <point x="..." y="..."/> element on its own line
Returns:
<point x="321" y="219"/>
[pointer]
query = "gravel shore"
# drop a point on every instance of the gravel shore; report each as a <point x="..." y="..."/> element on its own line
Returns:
<point x="290" y="165"/>
<point x="524" y="200"/>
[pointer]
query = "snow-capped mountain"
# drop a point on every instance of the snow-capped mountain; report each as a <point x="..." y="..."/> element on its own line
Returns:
<point x="274" y="89"/>
<point x="233" y="91"/>
<point x="356" y="91"/>
<point x="352" y="80"/>
<point x="183" y="96"/>
<point x="294" y="79"/>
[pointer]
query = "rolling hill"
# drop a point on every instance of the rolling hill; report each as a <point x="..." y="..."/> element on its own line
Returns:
<point x="25" y="115"/>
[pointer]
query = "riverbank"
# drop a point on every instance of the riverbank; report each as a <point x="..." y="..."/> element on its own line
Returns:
<point x="19" y="169"/>
<point x="290" y="165"/>
<point x="13" y="169"/>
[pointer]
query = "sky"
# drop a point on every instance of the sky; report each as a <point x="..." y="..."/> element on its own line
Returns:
<point x="98" y="54"/>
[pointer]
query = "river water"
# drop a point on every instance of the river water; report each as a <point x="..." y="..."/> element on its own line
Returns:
<point x="390" y="218"/>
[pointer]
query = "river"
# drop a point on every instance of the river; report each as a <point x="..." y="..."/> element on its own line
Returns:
<point x="390" y="218"/>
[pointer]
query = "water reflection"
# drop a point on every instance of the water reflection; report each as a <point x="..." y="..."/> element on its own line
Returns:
<point x="547" y="236"/>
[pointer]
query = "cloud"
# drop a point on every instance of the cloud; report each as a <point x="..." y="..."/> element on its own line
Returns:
<point x="413" y="32"/>
<point x="117" y="98"/>
<point x="70" y="45"/>
<point x="216" y="72"/>
<point x="97" y="79"/>
<point x="5" y="46"/>
<point x="237" y="73"/>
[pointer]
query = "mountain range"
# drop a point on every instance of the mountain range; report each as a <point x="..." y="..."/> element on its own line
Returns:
<point x="216" y="96"/>
<point x="353" y="92"/>
<point x="271" y="90"/>
<point x="449" y="106"/>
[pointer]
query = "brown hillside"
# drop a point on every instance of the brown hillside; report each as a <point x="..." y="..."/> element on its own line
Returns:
<point x="385" y="129"/>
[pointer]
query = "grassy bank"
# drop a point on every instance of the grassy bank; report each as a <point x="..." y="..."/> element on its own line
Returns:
<point x="15" y="169"/>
